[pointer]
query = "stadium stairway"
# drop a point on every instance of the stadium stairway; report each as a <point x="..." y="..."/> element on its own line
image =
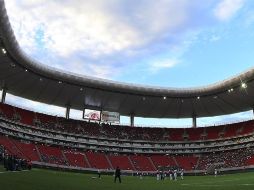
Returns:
<point x="154" y="167"/>
<point x="132" y="165"/>
<point x="64" y="156"/>
<point x="110" y="164"/>
<point x="175" y="161"/>
<point x="197" y="164"/>
<point x="18" y="149"/>
<point x="21" y="149"/>
<point x="87" y="161"/>
<point x="11" y="148"/>
<point x="38" y="152"/>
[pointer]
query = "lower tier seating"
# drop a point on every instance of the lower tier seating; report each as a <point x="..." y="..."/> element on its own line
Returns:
<point x="98" y="160"/>
<point x="138" y="162"/>
<point x="75" y="158"/>
<point x="121" y="161"/>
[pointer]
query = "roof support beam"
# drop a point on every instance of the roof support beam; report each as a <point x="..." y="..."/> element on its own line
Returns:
<point x="132" y="118"/>
<point x="67" y="112"/>
<point x="4" y="91"/>
<point x="194" y="121"/>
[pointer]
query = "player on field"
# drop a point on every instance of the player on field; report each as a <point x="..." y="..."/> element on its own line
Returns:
<point x="181" y="173"/>
<point x="215" y="173"/>
<point x="175" y="174"/>
<point x="170" y="174"/>
<point x="158" y="175"/>
<point x="118" y="174"/>
<point x="99" y="173"/>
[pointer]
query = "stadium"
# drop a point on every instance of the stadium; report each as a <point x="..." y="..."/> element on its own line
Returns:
<point x="40" y="151"/>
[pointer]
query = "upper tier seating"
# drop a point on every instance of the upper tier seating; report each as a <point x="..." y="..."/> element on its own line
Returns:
<point x="124" y="132"/>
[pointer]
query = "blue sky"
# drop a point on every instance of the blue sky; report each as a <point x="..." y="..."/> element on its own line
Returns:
<point x="168" y="43"/>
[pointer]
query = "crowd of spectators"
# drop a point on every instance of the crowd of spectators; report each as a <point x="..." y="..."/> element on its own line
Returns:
<point x="103" y="130"/>
<point x="227" y="159"/>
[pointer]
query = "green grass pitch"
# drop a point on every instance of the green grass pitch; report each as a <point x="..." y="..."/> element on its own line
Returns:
<point x="38" y="179"/>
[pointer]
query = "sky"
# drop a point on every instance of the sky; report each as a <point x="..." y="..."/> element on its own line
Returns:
<point x="165" y="43"/>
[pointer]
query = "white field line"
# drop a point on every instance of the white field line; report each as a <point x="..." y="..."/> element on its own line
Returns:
<point x="13" y="171"/>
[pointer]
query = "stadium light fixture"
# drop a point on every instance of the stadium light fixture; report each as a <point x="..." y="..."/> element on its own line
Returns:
<point x="230" y="90"/>
<point x="198" y="97"/>
<point x="244" y="85"/>
<point x="26" y="70"/>
<point x="4" y="51"/>
<point x="164" y="98"/>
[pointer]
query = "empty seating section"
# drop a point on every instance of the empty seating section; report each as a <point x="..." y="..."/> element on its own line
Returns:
<point x="120" y="160"/>
<point x="163" y="160"/>
<point x="186" y="162"/>
<point x="195" y="134"/>
<point x="7" y="110"/>
<point x="98" y="160"/>
<point x="176" y="134"/>
<point x="213" y="132"/>
<point x="247" y="127"/>
<point x="11" y="147"/>
<point x="28" y="149"/>
<point x="231" y="130"/>
<point x="52" y="155"/>
<point x="142" y="163"/>
<point x="45" y="118"/>
<point x="75" y="158"/>
<point x="250" y="160"/>
<point x="26" y="117"/>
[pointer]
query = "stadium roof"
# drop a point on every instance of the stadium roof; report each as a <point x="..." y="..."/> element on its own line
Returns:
<point x="25" y="77"/>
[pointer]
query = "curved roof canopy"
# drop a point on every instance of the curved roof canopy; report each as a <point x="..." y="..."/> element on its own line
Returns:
<point x="23" y="76"/>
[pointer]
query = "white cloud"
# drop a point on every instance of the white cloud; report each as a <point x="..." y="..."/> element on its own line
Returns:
<point x="98" y="30"/>
<point x="214" y="38"/>
<point x="226" y="9"/>
<point x="163" y="64"/>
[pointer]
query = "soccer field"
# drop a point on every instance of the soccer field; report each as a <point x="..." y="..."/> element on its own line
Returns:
<point x="38" y="179"/>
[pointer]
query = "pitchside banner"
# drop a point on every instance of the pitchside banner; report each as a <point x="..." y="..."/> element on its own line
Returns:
<point x="110" y="116"/>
